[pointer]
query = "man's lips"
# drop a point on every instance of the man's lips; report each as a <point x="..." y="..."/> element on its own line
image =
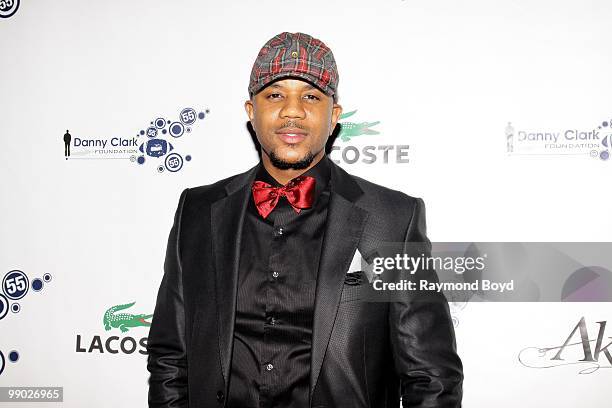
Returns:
<point x="291" y="135"/>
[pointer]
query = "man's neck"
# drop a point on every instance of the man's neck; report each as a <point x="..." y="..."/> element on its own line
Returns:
<point x="284" y="176"/>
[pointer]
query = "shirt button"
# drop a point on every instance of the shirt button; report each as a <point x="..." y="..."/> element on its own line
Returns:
<point x="271" y="320"/>
<point x="275" y="274"/>
<point x="269" y="367"/>
<point x="220" y="396"/>
<point x="278" y="231"/>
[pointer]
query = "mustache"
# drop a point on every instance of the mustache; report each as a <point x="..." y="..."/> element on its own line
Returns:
<point x="292" y="124"/>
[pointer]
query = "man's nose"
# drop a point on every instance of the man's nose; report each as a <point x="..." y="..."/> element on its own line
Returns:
<point x="293" y="108"/>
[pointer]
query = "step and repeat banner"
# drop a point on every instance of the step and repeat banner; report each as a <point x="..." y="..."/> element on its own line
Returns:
<point x="497" y="114"/>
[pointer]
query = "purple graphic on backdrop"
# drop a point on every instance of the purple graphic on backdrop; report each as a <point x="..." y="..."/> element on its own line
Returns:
<point x="586" y="283"/>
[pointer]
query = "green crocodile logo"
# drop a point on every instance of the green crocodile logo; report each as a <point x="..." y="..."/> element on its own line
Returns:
<point x="352" y="129"/>
<point x="123" y="321"/>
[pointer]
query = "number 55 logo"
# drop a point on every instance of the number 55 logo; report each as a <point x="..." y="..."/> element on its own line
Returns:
<point x="8" y="8"/>
<point x="188" y="116"/>
<point x="15" y="283"/>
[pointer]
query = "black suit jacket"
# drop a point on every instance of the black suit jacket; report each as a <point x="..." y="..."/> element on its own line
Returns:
<point x="364" y="354"/>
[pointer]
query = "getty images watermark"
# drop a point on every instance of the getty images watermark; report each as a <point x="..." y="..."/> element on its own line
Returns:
<point x="458" y="265"/>
<point x="483" y="271"/>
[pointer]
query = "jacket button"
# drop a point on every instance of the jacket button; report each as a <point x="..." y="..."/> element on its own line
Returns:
<point x="220" y="396"/>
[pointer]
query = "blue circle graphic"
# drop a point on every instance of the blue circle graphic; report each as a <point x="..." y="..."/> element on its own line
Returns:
<point x="188" y="116"/>
<point x="47" y="277"/>
<point x="201" y="115"/>
<point x="160" y="123"/>
<point x="188" y="157"/>
<point x="15" y="308"/>
<point x="174" y="162"/>
<point x="13" y="356"/>
<point x="4" y="306"/>
<point x="140" y="160"/>
<point x="15" y="285"/>
<point x="37" y="284"/>
<point x="177" y="129"/>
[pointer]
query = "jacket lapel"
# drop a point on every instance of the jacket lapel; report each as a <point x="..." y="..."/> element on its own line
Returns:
<point x="345" y="223"/>
<point x="227" y="216"/>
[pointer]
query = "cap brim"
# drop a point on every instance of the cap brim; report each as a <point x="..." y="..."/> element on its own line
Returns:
<point x="295" y="75"/>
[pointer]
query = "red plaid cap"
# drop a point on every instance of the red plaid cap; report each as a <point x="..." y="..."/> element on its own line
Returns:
<point x="295" y="55"/>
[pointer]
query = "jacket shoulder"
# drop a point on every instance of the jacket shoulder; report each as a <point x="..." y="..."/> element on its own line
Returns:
<point x="208" y="193"/>
<point x="391" y="211"/>
<point x="384" y="196"/>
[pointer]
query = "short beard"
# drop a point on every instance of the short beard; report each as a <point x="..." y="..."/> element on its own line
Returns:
<point x="285" y="165"/>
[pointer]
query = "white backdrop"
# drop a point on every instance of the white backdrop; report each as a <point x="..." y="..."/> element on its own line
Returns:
<point x="443" y="77"/>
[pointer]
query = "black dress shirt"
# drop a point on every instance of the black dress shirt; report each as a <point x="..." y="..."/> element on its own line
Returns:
<point x="279" y="258"/>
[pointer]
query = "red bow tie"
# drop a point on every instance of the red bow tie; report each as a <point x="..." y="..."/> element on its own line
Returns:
<point x="299" y="192"/>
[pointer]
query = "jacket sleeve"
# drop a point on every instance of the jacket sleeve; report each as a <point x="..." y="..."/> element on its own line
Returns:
<point x="167" y="360"/>
<point x="422" y="334"/>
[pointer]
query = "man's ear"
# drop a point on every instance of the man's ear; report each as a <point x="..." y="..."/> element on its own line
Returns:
<point x="248" y="106"/>
<point x="336" y="112"/>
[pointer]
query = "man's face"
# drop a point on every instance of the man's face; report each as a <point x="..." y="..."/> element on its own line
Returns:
<point x="292" y="120"/>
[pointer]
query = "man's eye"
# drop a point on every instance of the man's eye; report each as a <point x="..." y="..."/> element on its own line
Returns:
<point x="312" y="97"/>
<point x="274" y="96"/>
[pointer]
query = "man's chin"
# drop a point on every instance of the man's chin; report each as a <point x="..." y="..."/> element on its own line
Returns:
<point x="284" y="163"/>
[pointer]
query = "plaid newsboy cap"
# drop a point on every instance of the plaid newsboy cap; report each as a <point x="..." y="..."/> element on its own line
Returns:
<point x="295" y="55"/>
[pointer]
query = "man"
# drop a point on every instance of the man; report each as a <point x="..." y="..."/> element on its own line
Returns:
<point x="510" y="138"/>
<point x="67" y="139"/>
<point x="256" y="308"/>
